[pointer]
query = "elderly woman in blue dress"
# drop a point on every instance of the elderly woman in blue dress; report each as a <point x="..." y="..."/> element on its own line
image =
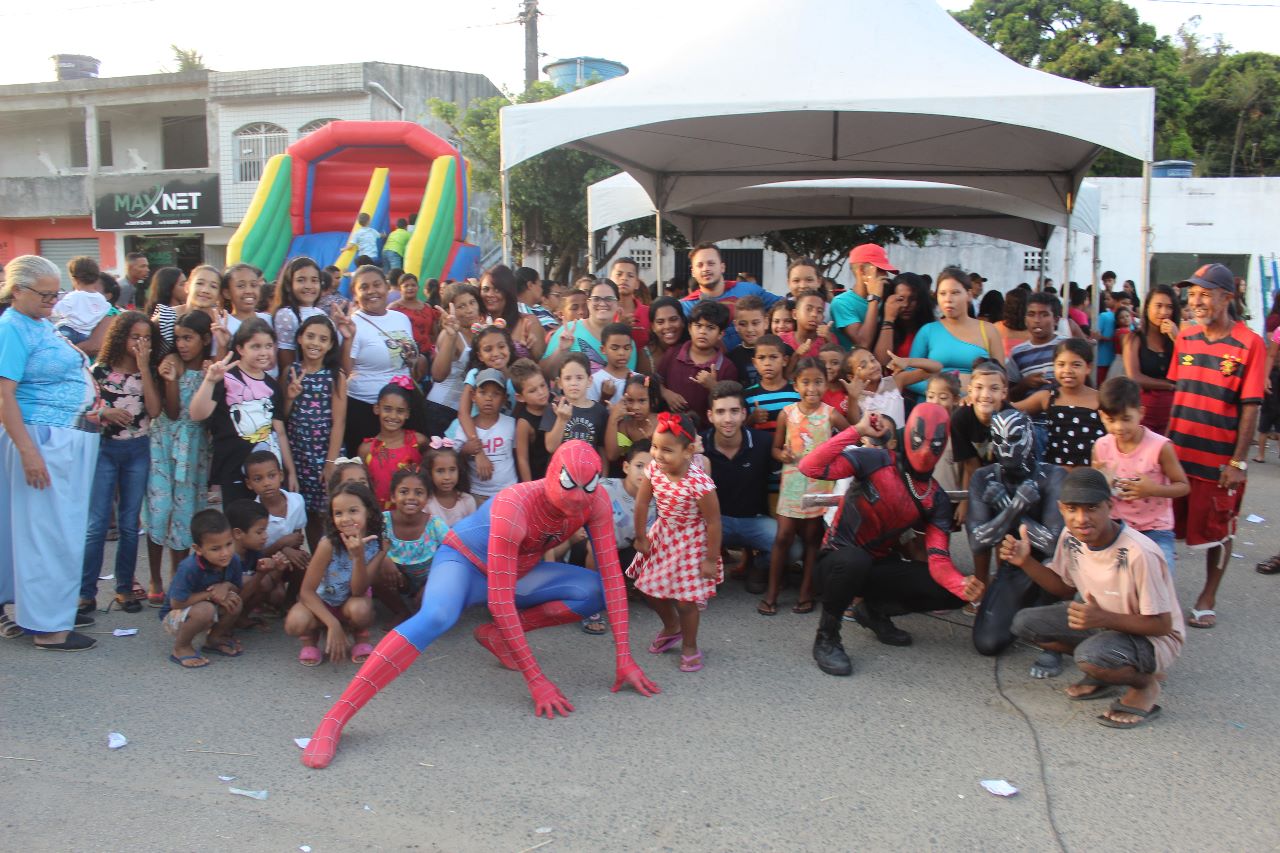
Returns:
<point x="48" y="450"/>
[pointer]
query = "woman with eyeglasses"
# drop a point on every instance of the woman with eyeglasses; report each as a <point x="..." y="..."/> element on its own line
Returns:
<point x="498" y="290"/>
<point x="49" y="450"/>
<point x="584" y="336"/>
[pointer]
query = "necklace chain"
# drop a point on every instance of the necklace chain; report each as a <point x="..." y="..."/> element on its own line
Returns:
<point x="911" y="484"/>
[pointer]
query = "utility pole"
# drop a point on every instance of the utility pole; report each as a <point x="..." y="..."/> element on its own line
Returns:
<point x="529" y="17"/>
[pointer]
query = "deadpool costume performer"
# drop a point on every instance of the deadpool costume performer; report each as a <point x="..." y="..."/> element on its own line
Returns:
<point x="494" y="556"/>
<point x="1015" y="490"/>
<point x="860" y="554"/>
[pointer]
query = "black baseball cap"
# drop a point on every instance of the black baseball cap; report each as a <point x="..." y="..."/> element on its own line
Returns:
<point x="1085" y="486"/>
<point x="1212" y="276"/>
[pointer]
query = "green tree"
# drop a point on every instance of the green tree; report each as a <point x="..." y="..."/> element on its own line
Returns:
<point x="1238" y="116"/>
<point x="187" y="59"/>
<point x="1101" y="42"/>
<point x="829" y="245"/>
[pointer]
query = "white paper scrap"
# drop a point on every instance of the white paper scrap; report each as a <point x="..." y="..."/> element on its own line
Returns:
<point x="999" y="787"/>
<point x="306" y="848"/>
<point x="115" y="740"/>
<point x="302" y="742"/>
<point x="1255" y="518"/>
<point x="125" y="632"/>
<point x="253" y="795"/>
<point x="543" y="830"/>
<point x="110" y="577"/>
<point x="226" y="778"/>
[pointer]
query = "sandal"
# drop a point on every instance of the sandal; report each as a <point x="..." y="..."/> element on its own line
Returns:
<point x="1144" y="717"/>
<point x="1202" y="618"/>
<point x="1103" y="691"/>
<point x="803" y="607"/>
<point x="139" y="592"/>
<point x="691" y="663"/>
<point x="665" y="642"/>
<point x="156" y="599"/>
<point x="125" y="602"/>
<point x="310" y="656"/>
<point x="227" y="648"/>
<point x="1269" y="567"/>
<point x="9" y="628"/>
<point x="767" y="608"/>
<point x="594" y="625"/>
<point x="187" y="661"/>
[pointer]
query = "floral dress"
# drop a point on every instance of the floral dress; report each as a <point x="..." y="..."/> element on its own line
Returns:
<point x="309" y="428"/>
<point x="677" y="540"/>
<point x="804" y="432"/>
<point x="176" y="483"/>
<point x="382" y="462"/>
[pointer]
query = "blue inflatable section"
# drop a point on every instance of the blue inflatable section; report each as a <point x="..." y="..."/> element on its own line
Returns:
<point x="324" y="247"/>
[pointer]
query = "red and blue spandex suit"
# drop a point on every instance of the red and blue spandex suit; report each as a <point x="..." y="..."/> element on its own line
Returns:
<point x="495" y="556"/>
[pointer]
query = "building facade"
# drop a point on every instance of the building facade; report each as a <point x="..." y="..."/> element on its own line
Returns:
<point x="166" y="164"/>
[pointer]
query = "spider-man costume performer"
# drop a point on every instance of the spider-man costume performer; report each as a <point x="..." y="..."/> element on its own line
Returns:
<point x="860" y="554"/>
<point x="495" y="556"/>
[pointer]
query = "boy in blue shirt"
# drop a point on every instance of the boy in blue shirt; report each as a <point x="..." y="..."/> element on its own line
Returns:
<point x="205" y="593"/>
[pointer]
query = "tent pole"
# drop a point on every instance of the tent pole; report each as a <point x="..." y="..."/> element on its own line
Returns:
<point x="506" y="219"/>
<point x="657" y="250"/>
<point x="591" y="240"/>
<point x="1066" y="257"/>
<point x="1146" y="230"/>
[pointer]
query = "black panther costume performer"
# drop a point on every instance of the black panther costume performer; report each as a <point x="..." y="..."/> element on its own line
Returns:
<point x="1014" y="490"/>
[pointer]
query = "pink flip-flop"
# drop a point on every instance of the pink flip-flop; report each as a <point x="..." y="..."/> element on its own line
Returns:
<point x="664" y="643"/>
<point x="310" y="656"/>
<point x="360" y="653"/>
<point x="691" y="663"/>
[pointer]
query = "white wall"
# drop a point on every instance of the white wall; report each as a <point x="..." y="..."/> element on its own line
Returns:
<point x="290" y="114"/>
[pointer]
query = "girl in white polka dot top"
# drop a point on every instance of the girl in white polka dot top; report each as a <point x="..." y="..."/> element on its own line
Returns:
<point x="1070" y="411"/>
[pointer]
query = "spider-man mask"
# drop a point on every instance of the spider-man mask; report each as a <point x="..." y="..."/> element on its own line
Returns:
<point x="573" y="474"/>
<point x="1014" y="443"/>
<point x="926" y="435"/>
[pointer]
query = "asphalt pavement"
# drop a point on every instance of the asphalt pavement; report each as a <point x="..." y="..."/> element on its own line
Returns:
<point x="759" y="751"/>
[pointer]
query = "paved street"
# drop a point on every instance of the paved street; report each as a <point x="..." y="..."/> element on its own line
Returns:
<point x="759" y="751"/>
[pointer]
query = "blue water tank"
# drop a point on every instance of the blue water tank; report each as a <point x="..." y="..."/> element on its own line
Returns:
<point x="1173" y="169"/>
<point x="578" y="71"/>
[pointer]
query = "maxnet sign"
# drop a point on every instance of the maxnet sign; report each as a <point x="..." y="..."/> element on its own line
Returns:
<point x="156" y="203"/>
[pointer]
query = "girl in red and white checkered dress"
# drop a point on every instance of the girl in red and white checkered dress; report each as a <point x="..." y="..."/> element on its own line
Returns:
<point x="677" y="561"/>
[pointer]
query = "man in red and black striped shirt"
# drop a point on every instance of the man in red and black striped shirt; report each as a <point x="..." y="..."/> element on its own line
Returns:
<point x="1219" y="370"/>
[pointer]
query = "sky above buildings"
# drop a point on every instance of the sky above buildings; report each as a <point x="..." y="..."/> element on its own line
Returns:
<point x="133" y="36"/>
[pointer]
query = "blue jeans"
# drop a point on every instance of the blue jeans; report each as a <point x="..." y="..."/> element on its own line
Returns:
<point x="1165" y="539"/>
<point x="757" y="533"/>
<point x="392" y="260"/>
<point x="123" y="465"/>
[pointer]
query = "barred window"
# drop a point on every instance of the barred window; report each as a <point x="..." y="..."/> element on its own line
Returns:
<point x="256" y="144"/>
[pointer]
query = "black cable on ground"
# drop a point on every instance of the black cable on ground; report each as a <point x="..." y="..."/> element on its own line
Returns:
<point x="1035" y="737"/>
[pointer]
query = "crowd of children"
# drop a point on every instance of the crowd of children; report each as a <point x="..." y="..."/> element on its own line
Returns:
<point x="226" y="430"/>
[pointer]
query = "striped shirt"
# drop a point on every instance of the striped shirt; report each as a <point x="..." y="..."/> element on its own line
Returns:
<point x="772" y="402"/>
<point x="1213" y="380"/>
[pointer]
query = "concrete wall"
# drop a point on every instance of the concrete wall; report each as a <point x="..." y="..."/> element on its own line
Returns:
<point x="44" y="197"/>
<point x="291" y="114"/>
<point x="414" y="87"/>
<point x="23" y="236"/>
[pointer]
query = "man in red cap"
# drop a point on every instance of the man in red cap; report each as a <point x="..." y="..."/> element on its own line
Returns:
<point x="856" y="314"/>
<point x="1219" y="373"/>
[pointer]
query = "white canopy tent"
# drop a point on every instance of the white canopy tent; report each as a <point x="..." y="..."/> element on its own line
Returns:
<point x="847" y="201"/>
<point x="924" y="100"/>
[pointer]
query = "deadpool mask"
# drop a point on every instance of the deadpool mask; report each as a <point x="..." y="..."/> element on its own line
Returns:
<point x="1013" y="441"/>
<point x="573" y="474"/>
<point x="926" y="435"/>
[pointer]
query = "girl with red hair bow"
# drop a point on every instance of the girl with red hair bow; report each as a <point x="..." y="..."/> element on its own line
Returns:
<point x="394" y="447"/>
<point x="678" y="562"/>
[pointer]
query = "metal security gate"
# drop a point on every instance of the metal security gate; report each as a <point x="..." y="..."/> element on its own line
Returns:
<point x="62" y="251"/>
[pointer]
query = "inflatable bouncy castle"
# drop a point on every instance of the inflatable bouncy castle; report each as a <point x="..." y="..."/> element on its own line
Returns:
<point x="309" y="198"/>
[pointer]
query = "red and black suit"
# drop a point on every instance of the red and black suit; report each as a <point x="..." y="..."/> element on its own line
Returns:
<point x="860" y="554"/>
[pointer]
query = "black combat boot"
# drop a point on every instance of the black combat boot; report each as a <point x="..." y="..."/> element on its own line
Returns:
<point x="880" y="625"/>
<point x="827" y="650"/>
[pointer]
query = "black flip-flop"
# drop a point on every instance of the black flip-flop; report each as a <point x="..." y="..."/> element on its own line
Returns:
<point x="767" y="608"/>
<point x="179" y="661"/>
<point x="1104" y="691"/>
<point x="1144" y="717"/>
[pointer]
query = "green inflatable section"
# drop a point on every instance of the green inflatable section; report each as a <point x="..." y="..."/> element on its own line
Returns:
<point x="440" y="241"/>
<point x="268" y="242"/>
